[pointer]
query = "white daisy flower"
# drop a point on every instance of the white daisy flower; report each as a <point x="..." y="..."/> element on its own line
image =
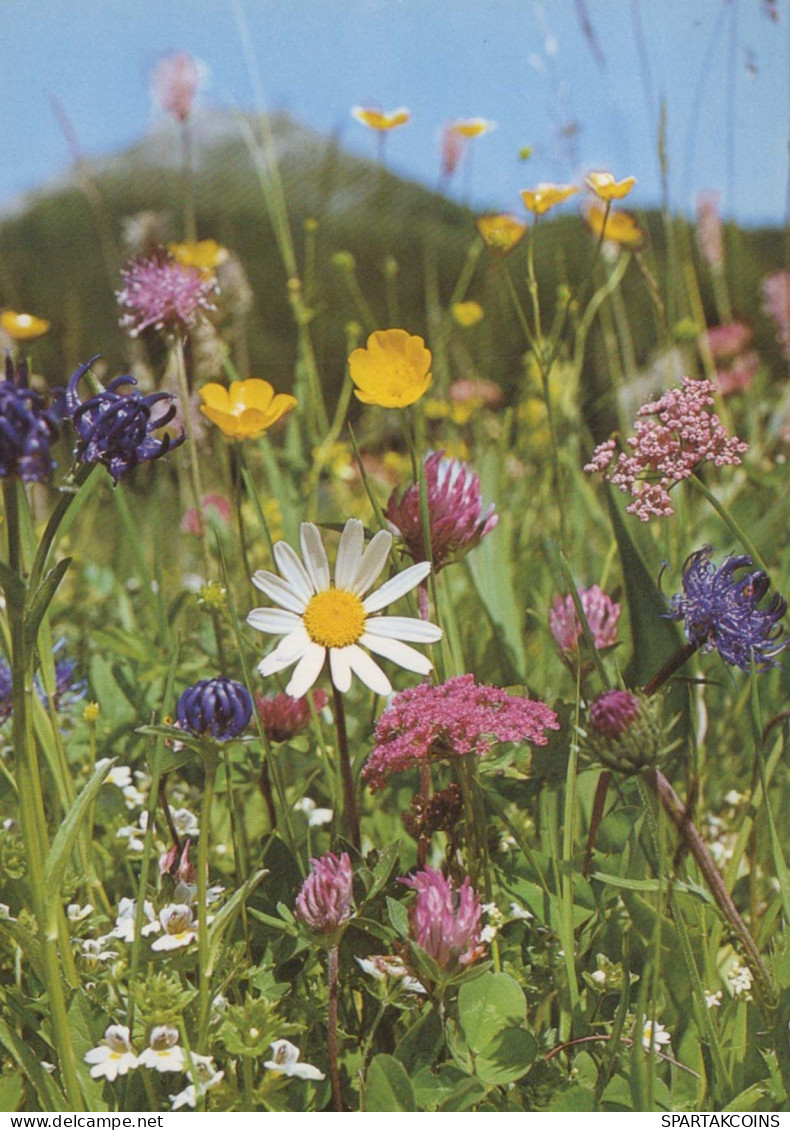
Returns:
<point x="316" y="616"/>
<point x="163" y="1052"/>
<point x="285" y="1061"/>
<point x="179" y="927"/>
<point x="113" y="1056"/>
<point x="207" y="1077"/>
<point x="654" y="1035"/>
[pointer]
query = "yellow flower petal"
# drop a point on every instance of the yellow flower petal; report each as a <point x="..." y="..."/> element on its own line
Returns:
<point x="501" y="233"/>
<point x="380" y="119"/>
<point x="621" y="227"/>
<point x="607" y="188"/>
<point x="247" y="409"/>
<point x="205" y="254"/>
<point x="545" y="196"/>
<point x="392" y="371"/>
<point x="467" y="313"/>
<point x="22" y="327"/>
<point x="471" y="127"/>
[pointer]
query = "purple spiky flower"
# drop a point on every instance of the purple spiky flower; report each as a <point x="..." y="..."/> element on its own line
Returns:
<point x="28" y="427"/>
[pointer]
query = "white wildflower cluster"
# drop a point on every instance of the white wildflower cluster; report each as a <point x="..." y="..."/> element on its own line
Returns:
<point x="496" y="921"/>
<point x="382" y="966"/>
<point x="739" y="979"/>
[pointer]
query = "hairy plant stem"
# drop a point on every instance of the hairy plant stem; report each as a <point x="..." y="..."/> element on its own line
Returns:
<point x="46" y="904"/>
<point x="210" y="766"/>
<point x="698" y="849"/>
<point x="351" y="813"/>
<point x="334" y="1070"/>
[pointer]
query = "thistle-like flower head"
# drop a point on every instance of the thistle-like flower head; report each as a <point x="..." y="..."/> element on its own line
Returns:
<point x="162" y="294"/>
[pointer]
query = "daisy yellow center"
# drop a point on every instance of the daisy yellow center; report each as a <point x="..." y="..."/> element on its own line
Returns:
<point x="334" y="618"/>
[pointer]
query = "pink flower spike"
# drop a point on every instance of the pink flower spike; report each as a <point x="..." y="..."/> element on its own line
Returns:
<point x="326" y="900"/>
<point x="455" y="510"/>
<point x="601" y="612"/>
<point x="443" y="921"/>
<point x="175" y="83"/>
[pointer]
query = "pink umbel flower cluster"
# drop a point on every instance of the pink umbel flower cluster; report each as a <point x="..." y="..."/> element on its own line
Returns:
<point x="455" y="509"/>
<point x="283" y="716"/>
<point x="600" y="611"/>
<point x="175" y="82"/>
<point x="326" y="900"/>
<point x="451" y="720"/>
<point x="674" y="435"/>
<point x="443" y="921"/>
<point x="159" y="293"/>
<point x="776" y="298"/>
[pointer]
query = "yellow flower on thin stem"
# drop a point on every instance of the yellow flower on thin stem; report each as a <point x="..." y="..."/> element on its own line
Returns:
<point x="471" y="127"/>
<point x="607" y="188"/>
<point x="545" y="196"/>
<point x="381" y="120"/>
<point x="22" y="327"/>
<point x="245" y="410"/>
<point x="205" y="254"/>
<point x="617" y="227"/>
<point x="467" y="313"/>
<point x="501" y="233"/>
<point x="392" y="371"/>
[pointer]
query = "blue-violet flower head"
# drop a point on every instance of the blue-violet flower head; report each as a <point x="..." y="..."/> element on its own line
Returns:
<point x="115" y="427"/>
<point x="28" y="427"/>
<point x="219" y="708"/>
<point x="719" y="607"/>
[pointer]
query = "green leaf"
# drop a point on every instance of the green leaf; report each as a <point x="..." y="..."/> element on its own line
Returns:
<point x="225" y="917"/>
<point x="15" y="587"/>
<point x="385" y="865"/>
<point x="26" y="941"/>
<point x="388" y="1087"/>
<point x="66" y="835"/>
<point x="487" y="1006"/>
<point x="49" y="1094"/>
<point x="510" y="1055"/>
<point x="574" y="1099"/>
<point x="398" y="916"/>
<point x="10" y="1089"/>
<point x="40" y="600"/>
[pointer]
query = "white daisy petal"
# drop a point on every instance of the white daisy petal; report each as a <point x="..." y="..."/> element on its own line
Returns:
<point x="280" y="591"/>
<point x="373" y="561"/>
<point x="367" y="670"/>
<point x="275" y="620"/>
<point x="398" y="652"/>
<point x="293" y="646"/>
<point x="349" y="554"/>
<point x="340" y="668"/>
<point x="397" y="586"/>
<point x="307" y="671"/>
<point x="403" y="628"/>
<point x="314" y="556"/>
<point x="293" y="570"/>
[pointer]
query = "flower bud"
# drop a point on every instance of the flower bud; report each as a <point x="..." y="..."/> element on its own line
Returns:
<point x="625" y="731"/>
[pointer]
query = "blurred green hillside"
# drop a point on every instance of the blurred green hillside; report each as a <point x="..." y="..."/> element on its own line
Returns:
<point x="61" y="253"/>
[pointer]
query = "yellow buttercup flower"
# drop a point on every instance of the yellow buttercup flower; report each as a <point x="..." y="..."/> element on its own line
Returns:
<point x="205" y="254"/>
<point x="607" y="188"/>
<point x="621" y="227"/>
<point x="545" y="196"/>
<point x="246" y="409"/>
<point x="22" y="327"/>
<point x="501" y="233"/>
<point x="467" y="313"/>
<point x="380" y="120"/>
<point x="392" y="371"/>
<point x="471" y="127"/>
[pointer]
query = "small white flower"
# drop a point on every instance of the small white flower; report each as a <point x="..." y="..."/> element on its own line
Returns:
<point x="488" y="933"/>
<point x="163" y="1052"/>
<point x="517" y="911"/>
<point x="654" y="1035"/>
<point x="132" y="796"/>
<point x="733" y="798"/>
<point x="713" y="1000"/>
<point x="113" y="1056"/>
<point x="179" y="927"/>
<point x="316" y="616"/>
<point x="5" y="912"/>
<point x="124" y="923"/>
<point x="120" y="776"/>
<point x="740" y="978"/>
<point x="315" y="816"/>
<point x="93" y="949"/>
<point x="76" y="913"/>
<point x="285" y="1061"/>
<point x="186" y="823"/>
<point x="207" y="1077"/>
<point x="48" y="1067"/>
<point x="598" y="977"/>
<point x="380" y="966"/>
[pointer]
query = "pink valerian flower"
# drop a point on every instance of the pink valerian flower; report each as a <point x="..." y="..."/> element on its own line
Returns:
<point x="710" y="236"/>
<point x="216" y="508"/>
<point x="600" y="611"/>
<point x="159" y="293"/>
<point x="443" y="921"/>
<point x="283" y="716"/>
<point x="326" y="900"/>
<point x="175" y="82"/>
<point x="455" y="510"/>
<point x="674" y="435"/>
<point x="776" y="299"/>
<point x="453" y="719"/>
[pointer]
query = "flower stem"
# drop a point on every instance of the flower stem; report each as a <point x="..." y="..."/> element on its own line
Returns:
<point x="334" y="1071"/>
<point x="351" y="811"/>
<point x="211" y="764"/>
<point x="698" y="849"/>
<point x="670" y="667"/>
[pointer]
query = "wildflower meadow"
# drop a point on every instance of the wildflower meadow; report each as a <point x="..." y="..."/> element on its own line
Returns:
<point x="391" y="729"/>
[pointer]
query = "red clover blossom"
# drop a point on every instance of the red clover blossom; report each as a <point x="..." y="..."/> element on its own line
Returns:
<point x="445" y="922"/>
<point x="326" y="899"/>
<point x="674" y="435"/>
<point x="451" y="720"/>
<point x="283" y="716"/>
<point x="600" y="611"/>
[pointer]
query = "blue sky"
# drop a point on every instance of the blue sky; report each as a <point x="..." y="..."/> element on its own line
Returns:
<point x="720" y="67"/>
